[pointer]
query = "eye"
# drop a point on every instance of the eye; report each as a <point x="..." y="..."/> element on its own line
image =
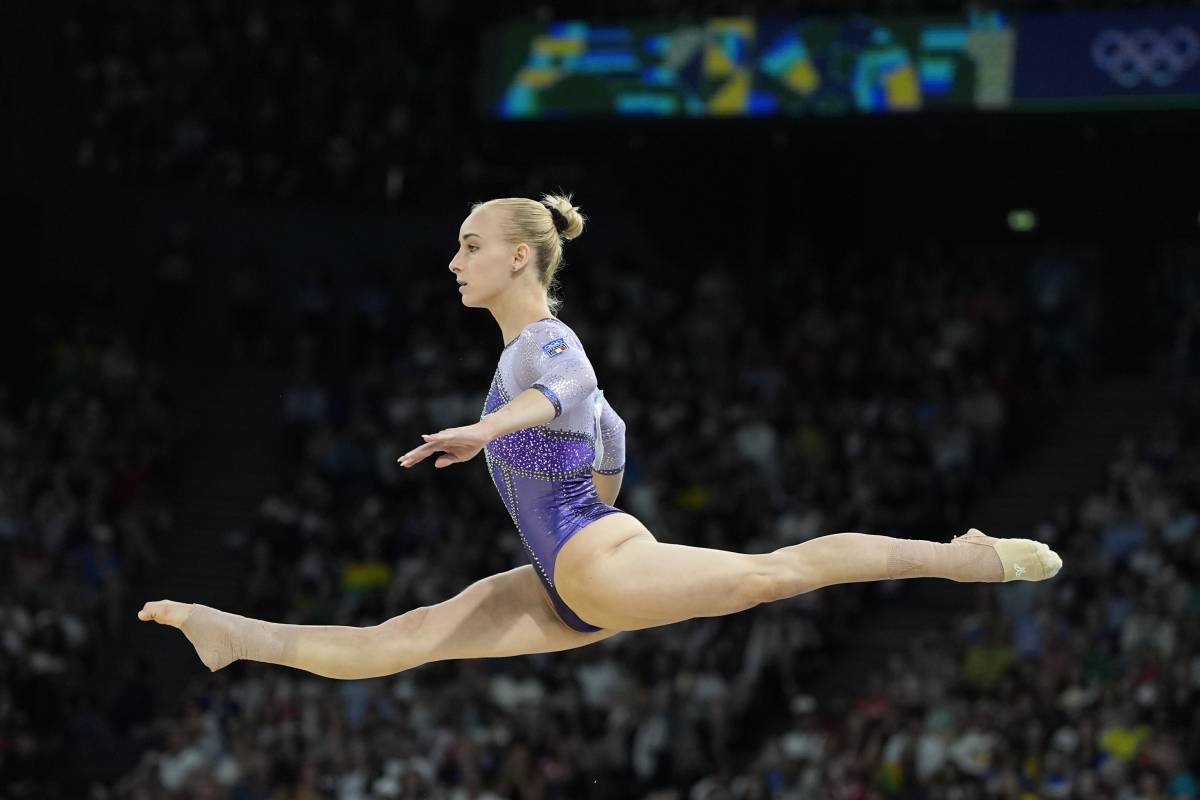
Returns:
<point x="471" y="248"/>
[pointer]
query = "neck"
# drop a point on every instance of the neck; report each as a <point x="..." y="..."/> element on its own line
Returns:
<point x="513" y="314"/>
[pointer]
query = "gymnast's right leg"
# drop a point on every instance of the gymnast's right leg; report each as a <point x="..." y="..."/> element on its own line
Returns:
<point x="507" y="614"/>
<point x="616" y="575"/>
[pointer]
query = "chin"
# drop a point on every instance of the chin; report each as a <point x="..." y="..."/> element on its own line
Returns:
<point x="474" y="302"/>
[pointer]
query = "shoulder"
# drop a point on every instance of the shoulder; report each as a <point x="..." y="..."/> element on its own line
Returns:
<point x="550" y="338"/>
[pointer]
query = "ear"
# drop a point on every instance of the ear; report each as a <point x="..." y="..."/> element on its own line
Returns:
<point x="520" y="257"/>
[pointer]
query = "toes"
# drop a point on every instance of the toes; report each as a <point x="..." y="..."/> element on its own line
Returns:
<point x="164" y="612"/>
<point x="1051" y="561"/>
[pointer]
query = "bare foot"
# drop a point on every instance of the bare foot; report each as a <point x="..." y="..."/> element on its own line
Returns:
<point x="165" y="612"/>
<point x="213" y="633"/>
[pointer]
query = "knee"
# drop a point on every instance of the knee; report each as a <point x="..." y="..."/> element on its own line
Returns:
<point x="402" y="638"/>
<point x="765" y="582"/>
<point x="775" y="577"/>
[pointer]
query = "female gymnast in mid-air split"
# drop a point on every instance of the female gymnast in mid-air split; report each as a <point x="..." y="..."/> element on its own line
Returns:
<point x="555" y="449"/>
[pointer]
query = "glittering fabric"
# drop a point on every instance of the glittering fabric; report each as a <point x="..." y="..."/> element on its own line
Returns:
<point x="610" y="446"/>
<point x="543" y="474"/>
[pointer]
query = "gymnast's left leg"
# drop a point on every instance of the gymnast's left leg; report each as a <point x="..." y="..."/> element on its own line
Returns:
<point x="615" y="574"/>
<point x="507" y="614"/>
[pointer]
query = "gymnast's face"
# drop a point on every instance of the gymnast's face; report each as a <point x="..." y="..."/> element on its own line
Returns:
<point x="486" y="265"/>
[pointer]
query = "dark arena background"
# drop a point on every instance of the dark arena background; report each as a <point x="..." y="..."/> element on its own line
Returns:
<point x="888" y="266"/>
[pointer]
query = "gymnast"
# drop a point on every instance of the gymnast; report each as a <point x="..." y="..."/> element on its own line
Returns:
<point x="555" y="449"/>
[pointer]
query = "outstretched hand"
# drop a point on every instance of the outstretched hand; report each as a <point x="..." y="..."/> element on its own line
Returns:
<point x="455" y="444"/>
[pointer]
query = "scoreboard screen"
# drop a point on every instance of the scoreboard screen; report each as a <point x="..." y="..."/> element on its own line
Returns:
<point x="839" y="65"/>
<point x="745" y="66"/>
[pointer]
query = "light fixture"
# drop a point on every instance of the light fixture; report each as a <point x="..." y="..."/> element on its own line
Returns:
<point x="1022" y="220"/>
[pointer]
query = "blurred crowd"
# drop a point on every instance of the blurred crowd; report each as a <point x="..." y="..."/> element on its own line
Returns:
<point x="877" y="396"/>
<point x="271" y="99"/>
<point x="1174" y="293"/>
<point x="1086" y="687"/>
<point x="85" y="444"/>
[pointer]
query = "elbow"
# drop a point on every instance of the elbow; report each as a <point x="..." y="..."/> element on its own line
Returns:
<point x="607" y="487"/>
<point x="588" y="385"/>
<point x="551" y="396"/>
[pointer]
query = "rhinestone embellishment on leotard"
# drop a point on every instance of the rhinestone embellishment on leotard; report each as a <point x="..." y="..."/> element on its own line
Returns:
<point x="543" y="473"/>
<point x="514" y="512"/>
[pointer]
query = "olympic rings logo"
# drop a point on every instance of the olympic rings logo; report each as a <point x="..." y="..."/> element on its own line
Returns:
<point x="1145" y="54"/>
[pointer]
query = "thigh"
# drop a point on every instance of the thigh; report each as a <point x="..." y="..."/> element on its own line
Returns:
<point x="631" y="581"/>
<point x="508" y="614"/>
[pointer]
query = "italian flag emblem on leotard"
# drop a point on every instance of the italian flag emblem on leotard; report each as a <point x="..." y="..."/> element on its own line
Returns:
<point x="555" y="347"/>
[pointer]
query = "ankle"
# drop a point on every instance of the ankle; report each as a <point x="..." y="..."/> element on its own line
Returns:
<point x="965" y="561"/>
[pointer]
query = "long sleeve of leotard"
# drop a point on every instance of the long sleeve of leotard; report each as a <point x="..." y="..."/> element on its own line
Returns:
<point x="551" y="360"/>
<point x="610" y="443"/>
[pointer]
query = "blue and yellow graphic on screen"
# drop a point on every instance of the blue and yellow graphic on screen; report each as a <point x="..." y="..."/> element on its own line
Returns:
<point x="747" y="66"/>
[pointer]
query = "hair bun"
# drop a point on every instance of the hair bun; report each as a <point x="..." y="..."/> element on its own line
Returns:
<point x="566" y="217"/>
<point x="560" y="222"/>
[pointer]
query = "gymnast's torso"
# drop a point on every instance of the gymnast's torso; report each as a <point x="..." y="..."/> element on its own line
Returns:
<point x="544" y="473"/>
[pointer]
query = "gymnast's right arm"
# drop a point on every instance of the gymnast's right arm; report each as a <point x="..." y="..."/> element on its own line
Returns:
<point x="609" y="465"/>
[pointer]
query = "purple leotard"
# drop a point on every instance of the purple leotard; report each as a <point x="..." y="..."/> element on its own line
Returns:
<point x="544" y="473"/>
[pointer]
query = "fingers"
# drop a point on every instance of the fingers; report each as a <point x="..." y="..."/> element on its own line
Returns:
<point x="434" y="442"/>
<point x="443" y="441"/>
<point x="417" y="455"/>
<point x="446" y="438"/>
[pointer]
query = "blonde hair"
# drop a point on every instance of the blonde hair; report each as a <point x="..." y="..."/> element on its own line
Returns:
<point x="529" y="221"/>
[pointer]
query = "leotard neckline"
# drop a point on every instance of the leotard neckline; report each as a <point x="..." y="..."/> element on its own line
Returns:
<point x="518" y="336"/>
